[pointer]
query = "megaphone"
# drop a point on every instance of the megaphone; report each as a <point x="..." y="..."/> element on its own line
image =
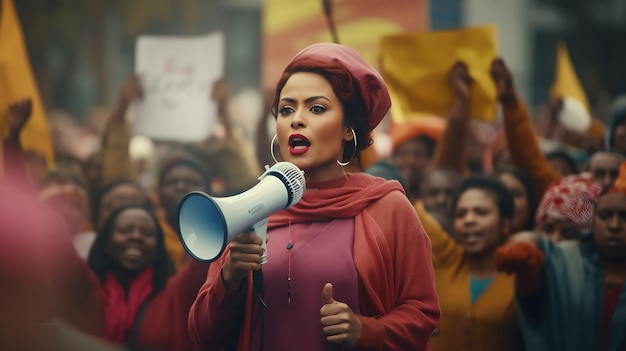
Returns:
<point x="207" y="224"/>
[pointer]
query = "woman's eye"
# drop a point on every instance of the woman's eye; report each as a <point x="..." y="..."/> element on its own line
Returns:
<point x="482" y="211"/>
<point x="318" y="109"/>
<point x="125" y="229"/>
<point x="284" y="111"/>
<point x="148" y="233"/>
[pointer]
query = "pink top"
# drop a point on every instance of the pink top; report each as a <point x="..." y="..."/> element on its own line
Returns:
<point x="321" y="253"/>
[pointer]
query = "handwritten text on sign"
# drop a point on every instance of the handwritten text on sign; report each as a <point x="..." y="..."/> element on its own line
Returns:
<point x="177" y="75"/>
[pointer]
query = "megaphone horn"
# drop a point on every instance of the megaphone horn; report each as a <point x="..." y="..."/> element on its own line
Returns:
<point x="207" y="224"/>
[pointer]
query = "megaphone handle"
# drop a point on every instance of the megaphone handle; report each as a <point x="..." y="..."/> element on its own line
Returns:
<point x="257" y="280"/>
<point x="260" y="229"/>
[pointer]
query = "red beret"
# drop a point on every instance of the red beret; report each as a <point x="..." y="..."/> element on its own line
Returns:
<point x="371" y="84"/>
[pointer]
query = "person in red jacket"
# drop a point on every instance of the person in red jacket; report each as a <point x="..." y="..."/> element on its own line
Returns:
<point x="349" y="266"/>
<point x="142" y="307"/>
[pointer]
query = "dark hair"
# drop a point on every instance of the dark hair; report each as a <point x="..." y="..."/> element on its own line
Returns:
<point x="100" y="262"/>
<point x="432" y="173"/>
<point x="564" y="156"/>
<point x="492" y="185"/>
<point x="106" y="188"/>
<point x="387" y="170"/>
<point x="180" y="160"/>
<point x="62" y="173"/>
<point x="531" y="192"/>
<point x="347" y="90"/>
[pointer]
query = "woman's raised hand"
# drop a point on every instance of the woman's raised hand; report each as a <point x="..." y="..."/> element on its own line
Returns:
<point x="503" y="80"/>
<point x="131" y="90"/>
<point x="460" y="80"/>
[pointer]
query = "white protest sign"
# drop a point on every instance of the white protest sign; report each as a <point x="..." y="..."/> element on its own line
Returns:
<point x="177" y="76"/>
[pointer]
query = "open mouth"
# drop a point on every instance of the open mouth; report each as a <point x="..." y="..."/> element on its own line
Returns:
<point x="133" y="253"/>
<point x="613" y="242"/>
<point x="471" y="237"/>
<point x="298" y="144"/>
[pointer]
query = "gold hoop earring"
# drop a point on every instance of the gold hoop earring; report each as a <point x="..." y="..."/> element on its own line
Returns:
<point x="343" y="164"/>
<point x="272" y="147"/>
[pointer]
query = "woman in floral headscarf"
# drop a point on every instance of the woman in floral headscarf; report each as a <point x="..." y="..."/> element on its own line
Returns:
<point x="566" y="209"/>
<point x="572" y="295"/>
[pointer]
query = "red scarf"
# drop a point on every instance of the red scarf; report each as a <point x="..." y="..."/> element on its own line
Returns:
<point x="342" y="198"/>
<point x="121" y="309"/>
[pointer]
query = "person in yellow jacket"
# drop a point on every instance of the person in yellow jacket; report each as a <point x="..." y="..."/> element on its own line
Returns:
<point x="478" y="310"/>
<point x="180" y="174"/>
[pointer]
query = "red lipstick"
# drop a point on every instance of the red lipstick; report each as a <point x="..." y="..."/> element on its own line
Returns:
<point x="298" y="144"/>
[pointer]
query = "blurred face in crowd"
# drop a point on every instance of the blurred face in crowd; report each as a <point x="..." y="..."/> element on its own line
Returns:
<point x="310" y="126"/>
<point x="177" y="182"/>
<point x="559" y="230"/>
<point x="609" y="227"/>
<point x="604" y="167"/>
<point x="502" y="158"/>
<point x="520" y="201"/>
<point x="121" y="195"/>
<point x="477" y="223"/>
<point x="411" y="159"/>
<point x="133" y="241"/>
<point x="437" y="190"/>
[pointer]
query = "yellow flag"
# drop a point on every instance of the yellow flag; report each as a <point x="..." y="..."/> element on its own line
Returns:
<point x="17" y="82"/>
<point x="566" y="82"/>
<point x="417" y="66"/>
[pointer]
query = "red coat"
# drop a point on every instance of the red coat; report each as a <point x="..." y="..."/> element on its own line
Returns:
<point x="164" y="323"/>
<point x="392" y="254"/>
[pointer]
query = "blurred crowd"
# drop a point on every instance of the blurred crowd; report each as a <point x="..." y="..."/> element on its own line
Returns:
<point x="91" y="258"/>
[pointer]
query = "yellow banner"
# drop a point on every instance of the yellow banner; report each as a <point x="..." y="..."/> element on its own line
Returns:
<point x="289" y="26"/>
<point x="417" y="66"/>
<point x="17" y="82"/>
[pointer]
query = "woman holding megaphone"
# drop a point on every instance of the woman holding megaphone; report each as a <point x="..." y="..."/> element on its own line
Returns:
<point x="349" y="265"/>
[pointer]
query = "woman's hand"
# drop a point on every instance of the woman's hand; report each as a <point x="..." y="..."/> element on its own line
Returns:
<point x="503" y="80"/>
<point x="519" y="254"/>
<point x="460" y="80"/>
<point x="130" y="91"/>
<point x="341" y="326"/>
<point x="245" y="256"/>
